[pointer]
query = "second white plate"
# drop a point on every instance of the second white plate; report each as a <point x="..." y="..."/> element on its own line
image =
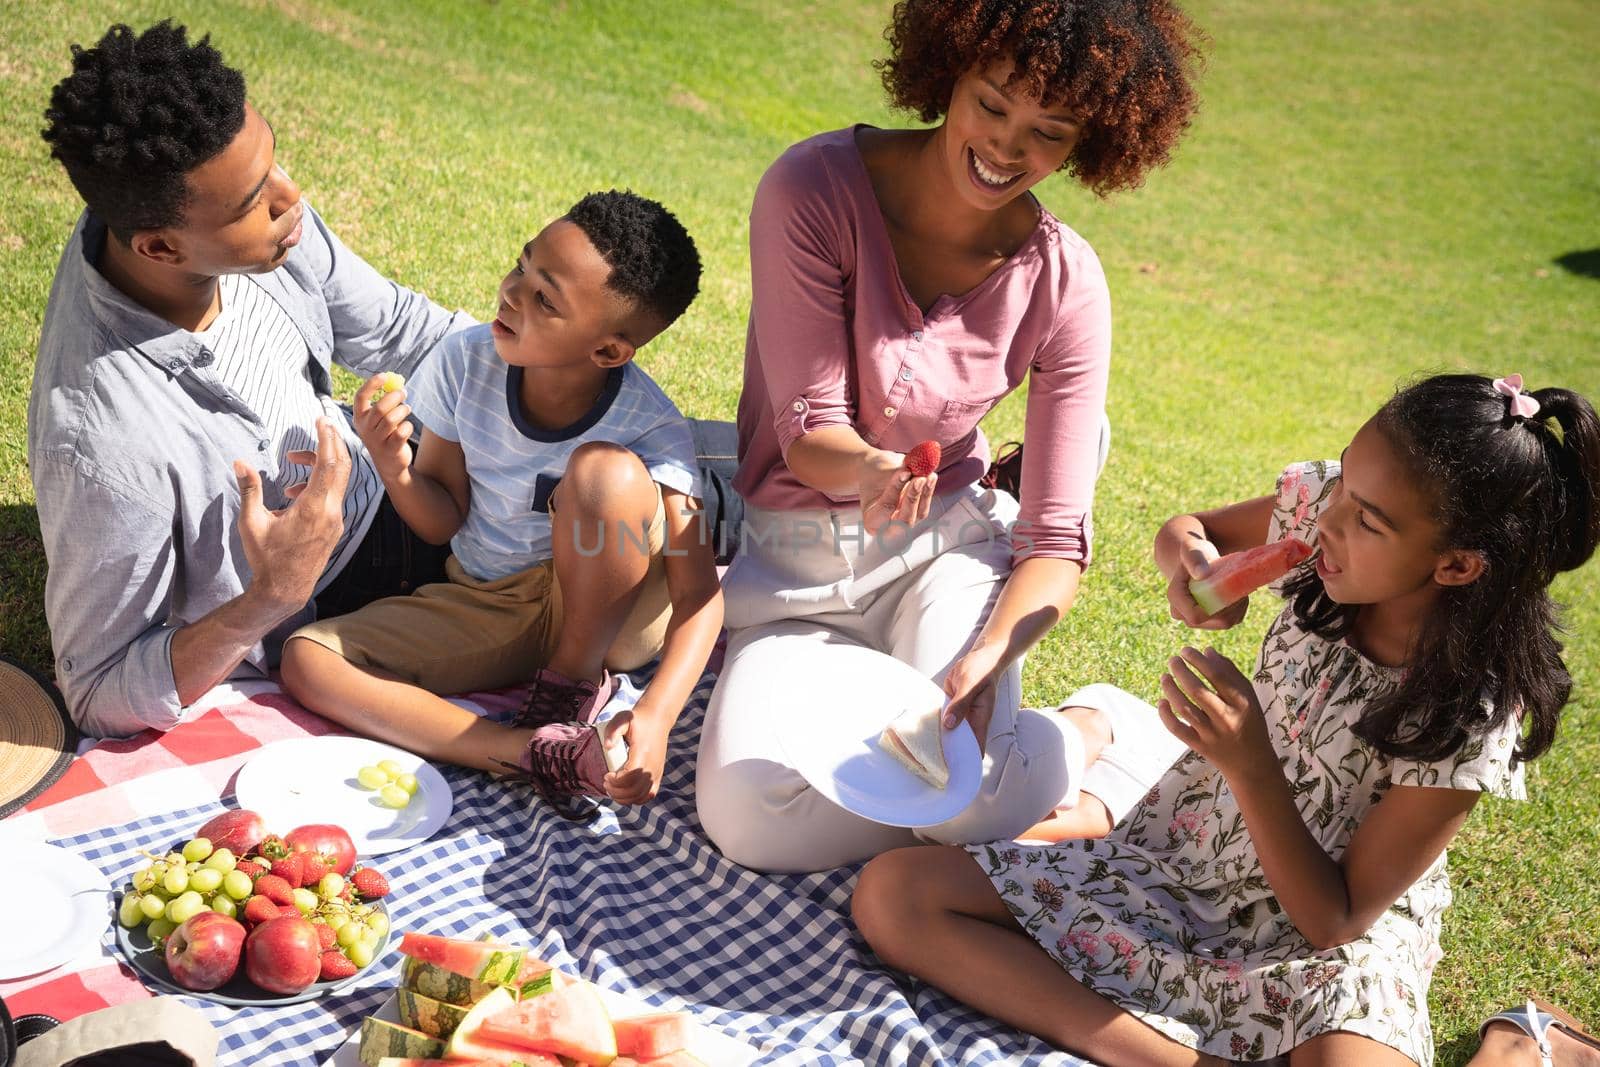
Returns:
<point x="57" y="904"/>
<point x="834" y="745"/>
<point x="313" y="780"/>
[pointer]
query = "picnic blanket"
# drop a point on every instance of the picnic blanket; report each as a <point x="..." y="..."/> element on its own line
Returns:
<point x="638" y="901"/>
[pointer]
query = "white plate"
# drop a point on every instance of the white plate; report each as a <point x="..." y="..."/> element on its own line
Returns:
<point x="313" y="780"/>
<point x="834" y="745"/>
<point x="714" y="1047"/>
<point x="58" y="904"/>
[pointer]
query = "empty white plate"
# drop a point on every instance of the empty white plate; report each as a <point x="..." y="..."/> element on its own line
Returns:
<point x="56" y="905"/>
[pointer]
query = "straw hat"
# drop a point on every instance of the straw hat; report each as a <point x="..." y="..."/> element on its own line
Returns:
<point x="37" y="740"/>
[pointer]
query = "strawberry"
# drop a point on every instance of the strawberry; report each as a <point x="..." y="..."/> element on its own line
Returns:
<point x="326" y="936"/>
<point x="251" y="868"/>
<point x="275" y="889"/>
<point x="369" y="883"/>
<point x="291" y="869"/>
<point x="314" y="865"/>
<point x="259" y="909"/>
<point x="273" y="847"/>
<point x="923" y="460"/>
<point x="335" y="965"/>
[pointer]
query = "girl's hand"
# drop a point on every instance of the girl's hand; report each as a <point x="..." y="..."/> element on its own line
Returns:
<point x="969" y="688"/>
<point x="384" y="426"/>
<point x="889" y="492"/>
<point x="1195" y="559"/>
<point x="1224" y="722"/>
<point x="639" y="779"/>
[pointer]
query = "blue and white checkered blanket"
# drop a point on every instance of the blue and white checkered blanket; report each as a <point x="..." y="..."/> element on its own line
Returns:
<point x="638" y="901"/>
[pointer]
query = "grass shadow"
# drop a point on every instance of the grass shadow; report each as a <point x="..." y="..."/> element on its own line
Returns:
<point x="24" y="635"/>
<point x="1585" y="264"/>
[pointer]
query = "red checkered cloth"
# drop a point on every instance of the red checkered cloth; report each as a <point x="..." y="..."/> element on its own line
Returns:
<point x="116" y="782"/>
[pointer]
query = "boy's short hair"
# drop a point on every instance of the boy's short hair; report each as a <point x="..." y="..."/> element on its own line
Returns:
<point x="137" y="113"/>
<point x="653" y="259"/>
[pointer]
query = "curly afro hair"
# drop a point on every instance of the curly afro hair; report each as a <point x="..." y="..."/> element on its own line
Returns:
<point x="137" y="113"/>
<point x="1125" y="68"/>
<point x="653" y="259"/>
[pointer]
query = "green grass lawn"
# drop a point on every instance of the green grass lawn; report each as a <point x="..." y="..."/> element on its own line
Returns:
<point x="1372" y="190"/>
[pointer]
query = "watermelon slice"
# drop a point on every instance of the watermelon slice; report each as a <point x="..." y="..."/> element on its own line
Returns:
<point x="482" y="961"/>
<point x="567" y="1021"/>
<point x="385" y="1040"/>
<point x="433" y="1017"/>
<point x="436" y="983"/>
<point x="647" y="1037"/>
<point x="1238" y="574"/>
<point x="469" y="1042"/>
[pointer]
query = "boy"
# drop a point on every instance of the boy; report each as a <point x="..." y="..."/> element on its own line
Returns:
<point x="565" y="482"/>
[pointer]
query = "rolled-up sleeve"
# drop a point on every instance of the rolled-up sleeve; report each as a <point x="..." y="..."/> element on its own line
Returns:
<point x="1066" y="403"/>
<point x="107" y="597"/>
<point x="798" y="324"/>
<point x="378" y="325"/>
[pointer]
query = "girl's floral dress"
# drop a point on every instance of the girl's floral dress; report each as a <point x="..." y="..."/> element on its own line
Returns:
<point x="1170" y="915"/>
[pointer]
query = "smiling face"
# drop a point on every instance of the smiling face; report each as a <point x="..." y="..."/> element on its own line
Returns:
<point x="1000" y="142"/>
<point x="556" y="309"/>
<point x="1378" y="538"/>
<point x="243" y="213"/>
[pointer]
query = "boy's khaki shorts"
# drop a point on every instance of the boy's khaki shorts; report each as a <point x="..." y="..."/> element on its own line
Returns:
<point x="464" y="635"/>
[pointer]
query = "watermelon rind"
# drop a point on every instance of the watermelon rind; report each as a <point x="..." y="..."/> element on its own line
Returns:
<point x="436" y="983"/>
<point x="1206" y="596"/>
<point x="433" y="1017"/>
<point x="488" y="962"/>
<point x="381" y="1040"/>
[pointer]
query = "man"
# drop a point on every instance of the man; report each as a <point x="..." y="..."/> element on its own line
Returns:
<point x="182" y="392"/>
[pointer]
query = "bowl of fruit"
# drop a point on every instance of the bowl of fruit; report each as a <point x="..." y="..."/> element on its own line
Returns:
<point x="240" y="916"/>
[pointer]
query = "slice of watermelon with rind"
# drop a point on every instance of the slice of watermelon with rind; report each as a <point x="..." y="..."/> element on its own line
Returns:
<point x="570" y="1020"/>
<point x="489" y="962"/>
<point x="1238" y="574"/>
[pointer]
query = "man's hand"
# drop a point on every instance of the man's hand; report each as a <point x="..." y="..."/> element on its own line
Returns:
<point x="288" y="549"/>
<point x="1224" y="722"/>
<point x="384" y="425"/>
<point x="1195" y="559"/>
<point x="639" y="780"/>
<point x="889" y="492"/>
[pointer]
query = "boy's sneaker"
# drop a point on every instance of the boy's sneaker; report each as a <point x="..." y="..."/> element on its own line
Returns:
<point x="555" y="698"/>
<point x="564" y="760"/>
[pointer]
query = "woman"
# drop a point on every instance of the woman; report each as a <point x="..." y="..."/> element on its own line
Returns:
<point x="905" y="281"/>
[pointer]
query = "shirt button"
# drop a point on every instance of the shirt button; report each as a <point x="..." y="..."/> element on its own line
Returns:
<point x="889" y="412"/>
<point x="799" y="405"/>
<point x="174" y="364"/>
<point x="905" y="375"/>
<point x="203" y="358"/>
<point x="66" y="664"/>
<point x="916" y="335"/>
<point x="261" y="445"/>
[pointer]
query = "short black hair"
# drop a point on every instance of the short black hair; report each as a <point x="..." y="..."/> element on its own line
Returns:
<point x="653" y="259"/>
<point x="137" y="113"/>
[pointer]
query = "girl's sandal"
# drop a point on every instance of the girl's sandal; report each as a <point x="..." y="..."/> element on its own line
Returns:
<point x="1536" y="1019"/>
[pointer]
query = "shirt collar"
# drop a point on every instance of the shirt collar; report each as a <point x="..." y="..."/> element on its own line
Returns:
<point x="169" y="347"/>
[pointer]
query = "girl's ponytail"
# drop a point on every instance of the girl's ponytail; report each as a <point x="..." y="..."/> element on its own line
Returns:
<point x="1575" y="457"/>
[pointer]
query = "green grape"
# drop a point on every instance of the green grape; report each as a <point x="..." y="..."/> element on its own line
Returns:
<point x="393" y="796"/>
<point x="336" y="921"/>
<point x="146" y="879"/>
<point x="222" y="860"/>
<point x="174" y="859"/>
<point x="349" y="933"/>
<point x="176" y="881"/>
<point x="205" y="880"/>
<point x="197" y="850"/>
<point x="372" y="778"/>
<point x="370" y="937"/>
<point x="360" y="953"/>
<point x="186" y="907"/>
<point x="237" y="884"/>
<point x="408" y="782"/>
<point x="222" y="904"/>
<point x="391" y="768"/>
<point x="305" y="900"/>
<point x="130" y="913"/>
<point x="331" y="885"/>
<point x="158" y="930"/>
<point x="378" y="921"/>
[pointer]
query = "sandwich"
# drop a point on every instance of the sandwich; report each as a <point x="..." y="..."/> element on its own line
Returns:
<point x="916" y="739"/>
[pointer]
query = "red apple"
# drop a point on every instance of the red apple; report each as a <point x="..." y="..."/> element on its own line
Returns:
<point x="203" y="952"/>
<point x="237" y="831"/>
<point x="283" y="955"/>
<point x="331" y="841"/>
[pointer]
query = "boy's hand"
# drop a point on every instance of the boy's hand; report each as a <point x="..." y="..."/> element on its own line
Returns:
<point x="1223" y="723"/>
<point x="639" y="780"/>
<point x="1195" y="559"/>
<point x="384" y="424"/>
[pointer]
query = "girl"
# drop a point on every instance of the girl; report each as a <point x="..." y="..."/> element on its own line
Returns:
<point x="1280" y="889"/>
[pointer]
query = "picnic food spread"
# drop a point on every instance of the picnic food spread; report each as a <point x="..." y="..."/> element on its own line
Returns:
<point x="1237" y="575"/>
<point x="914" y="740"/>
<point x="291" y="910"/>
<point x="488" y="1002"/>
